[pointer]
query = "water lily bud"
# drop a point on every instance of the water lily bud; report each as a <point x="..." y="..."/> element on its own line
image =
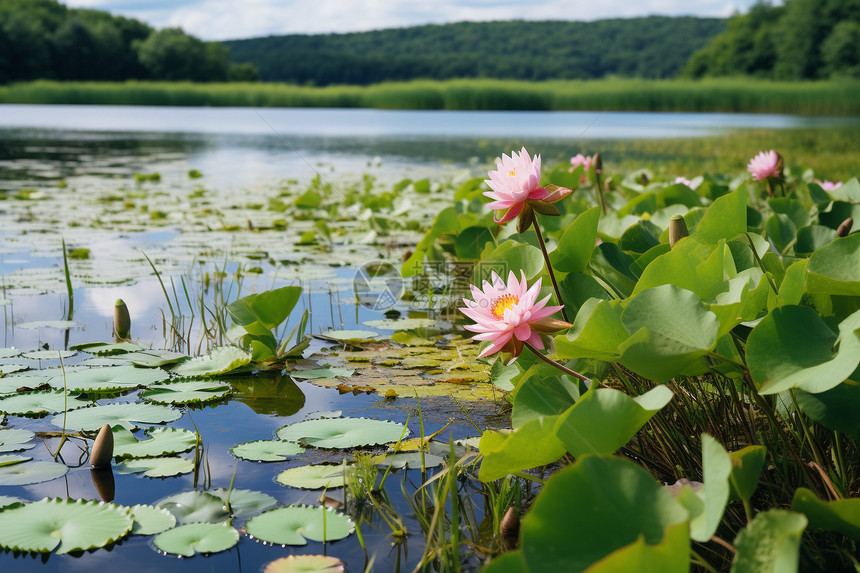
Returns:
<point x="104" y="483"/>
<point x="509" y="527"/>
<point x="677" y="229"/>
<point x="845" y="227"/>
<point x="597" y="162"/>
<point x="780" y="163"/>
<point x="121" y="319"/>
<point x="556" y="193"/>
<point x="102" y="451"/>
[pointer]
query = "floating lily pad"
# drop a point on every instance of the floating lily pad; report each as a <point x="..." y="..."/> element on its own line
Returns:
<point x="244" y="502"/>
<point x="9" y="352"/>
<point x="342" y="433"/>
<point x="7" y="500"/>
<point x="58" y="324"/>
<point x="195" y="507"/>
<point x="33" y="403"/>
<point x="161" y="441"/>
<point x="266" y="450"/>
<point x="107" y="379"/>
<point x="408" y="460"/>
<point x="406" y="323"/>
<point x="15" y="439"/>
<point x="107" y="349"/>
<point x="126" y="415"/>
<point x="149" y="520"/>
<point x="219" y="361"/>
<point x="315" y="476"/>
<point x="156" y="467"/>
<point x="31" y="472"/>
<point x="68" y="525"/>
<point x="12" y="459"/>
<point x="153" y="358"/>
<point x="49" y="354"/>
<point x="321" y="373"/>
<point x="351" y="335"/>
<point x="190" y="392"/>
<point x="194" y="538"/>
<point x="305" y="564"/>
<point x="295" y="524"/>
<point x="10" y="368"/>
<point x="324" y="414"/>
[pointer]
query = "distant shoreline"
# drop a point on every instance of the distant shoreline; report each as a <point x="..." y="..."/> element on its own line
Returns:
<point x="713" y="95"/>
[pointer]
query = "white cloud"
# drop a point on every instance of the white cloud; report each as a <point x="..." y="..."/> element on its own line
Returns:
<point x="227" y="19"/>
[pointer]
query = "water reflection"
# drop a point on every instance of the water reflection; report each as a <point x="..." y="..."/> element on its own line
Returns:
<point x="269" y="393"/>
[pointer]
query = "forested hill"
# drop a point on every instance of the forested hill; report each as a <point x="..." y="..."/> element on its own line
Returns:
<point x="652" y="47"/>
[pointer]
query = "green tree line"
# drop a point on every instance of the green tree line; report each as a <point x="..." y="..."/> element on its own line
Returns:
<point x="45" y="39"/>
<point x="652" y="47"/>
<point x="800" y="39"/>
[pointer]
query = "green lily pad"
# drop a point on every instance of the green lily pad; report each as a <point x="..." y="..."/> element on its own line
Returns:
<point x="220" y="361"/>
<point x="31" y="472"/>
<point x="351" y="335"/>
<point x="106" y="379"/>
<point x="156" y="467"/>
<point x="266" y="450"/>
<point x="186" y="540"/>
<point x="15" y="439"/>
<point x="153" y="358"/>
<point x="305" y="564"/>
<point x="315" y="476"/>
<point x="49" y="354"/>
<point x="149" y="520"/>
<point x="835" y="267"/>
<point x="126" y="415"/>
<point x="412" y="460"/>
<point x="295" y="524"/>
<point x="10" y="368"/>
<point x="195" y="507"/>
<point x="769" y="543"/>
<point x="68" y="525"/>
<point x="320" y="373"/>
<point x="9" y="352"/>
<point x="12" y="459"/>
<point x="190" y="392"/>
<point x="842" y="515"/>
<point x="244" y="502"/>
<point x="107" y="349"/>
<point x="161" y="441"/>
<point x="342" y="433"/>
<point x="33" y="403"/>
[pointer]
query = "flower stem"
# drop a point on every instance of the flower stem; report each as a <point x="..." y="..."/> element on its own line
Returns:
<point x="549" y="269"/>
<point x="555" y="364"/>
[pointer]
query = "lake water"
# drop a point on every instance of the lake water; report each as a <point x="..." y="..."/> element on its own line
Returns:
<point x="248" y="158"/>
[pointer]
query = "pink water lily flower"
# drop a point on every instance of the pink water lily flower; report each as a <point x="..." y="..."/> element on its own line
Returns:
<point x="515" y="181"/>
<point x="580" y="159"/>
<point x="683" y="181"/>
<point x="764" y="165"/>
<point x="510" y="315"/>
<point x="830" y="185"/>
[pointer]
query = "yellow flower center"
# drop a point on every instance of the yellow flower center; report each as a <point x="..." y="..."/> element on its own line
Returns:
<point x="513" y="172"/>
<point x="503" y="303"/>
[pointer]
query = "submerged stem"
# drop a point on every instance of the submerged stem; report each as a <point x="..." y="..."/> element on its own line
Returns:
<point x="555" y="364"/>
<point x="549" y="269"/>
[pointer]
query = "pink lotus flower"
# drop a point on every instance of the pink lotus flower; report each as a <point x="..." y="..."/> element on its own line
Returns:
<point x="830" y="185"/>
<point x="683" y="181"/>
<point x="515" y="181"/>
<point x="764" y="165"/>
<point x="510" y="315"/>
<point x="580" y="159"/>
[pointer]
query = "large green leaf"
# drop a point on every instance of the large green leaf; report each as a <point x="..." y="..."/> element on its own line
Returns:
<point x="65" y="524"/>
<point x="597" y="506"/>
<point x="769" y="543"/>
<point x="244" y="502"/>
<point x="32" y="403"/>
<point x="746" y="470"/>
<point x="835" y="268"/>
<point x="190" y="392"/>
<point x="266" y="450"/>
<point x="195" y="507"/>
<point x="670" y="329"/>
<point x="604" y="419"/>
<point x="161" y="441"/>
<point x="842" y="515"/>
<point x="186" y="540"/>
<point x="126" y="415"/>
<point x="642" y="557"/>
<point x="512" y="256"/>
<point x="716" y="469"/>
<point x="342" y="433"/>
<point x="160" y="467"/>
<point x="577" y="243"/>
<point x="793" y="348"/>
<point x="295" y="524"/>
<point x="105" y="379"/>
<point x="15" y="439"/>
<point x="597" y="332"/>
<point x="219" y="361"/>
<point x="268" y="309"/>
<point x="31" y="472"/>
<point x="316" y="476"/>
<point x="725" y="218"/>
<point x="694" y="265"/>
<point x="836" y="408"/>
<point x="539" y="394"/>
<point x="149" y="520"/>
<point x="532" y="444"/>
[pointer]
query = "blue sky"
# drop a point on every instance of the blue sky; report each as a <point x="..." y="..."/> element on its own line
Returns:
<point x="228" y="19"/>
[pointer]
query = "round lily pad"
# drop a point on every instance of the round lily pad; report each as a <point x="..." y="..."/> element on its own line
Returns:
<point x="190" y="392"/>
<point x="305" y="564"/>
<point x="149" y="520"/>
<point x="126" y="415"/>
<point x="31" y="472"/>
<point x="342" y="433"/>
<point x="167" y="466"/>
<point x="295" y="524"/>
<point x="15" y="440"/>
<point x="106" y="379"/>
<point x="315" y="476"/>
<point x="244" y="502"/>
<point x="9" y="352"/>
<point x="195" y="507"/>
<point x="68" y="525"/>
<point x="34" y="403"/>
<point x="12" y="459"/>
<point x="266" y="450"/>
<point x="48" y="354"/>
<point x="161" y="441"/>
<point x="186" y="540"/>
<point x="10" y="368"/>
<point x="219" y="361"/>
<point x="408" y="460"/>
